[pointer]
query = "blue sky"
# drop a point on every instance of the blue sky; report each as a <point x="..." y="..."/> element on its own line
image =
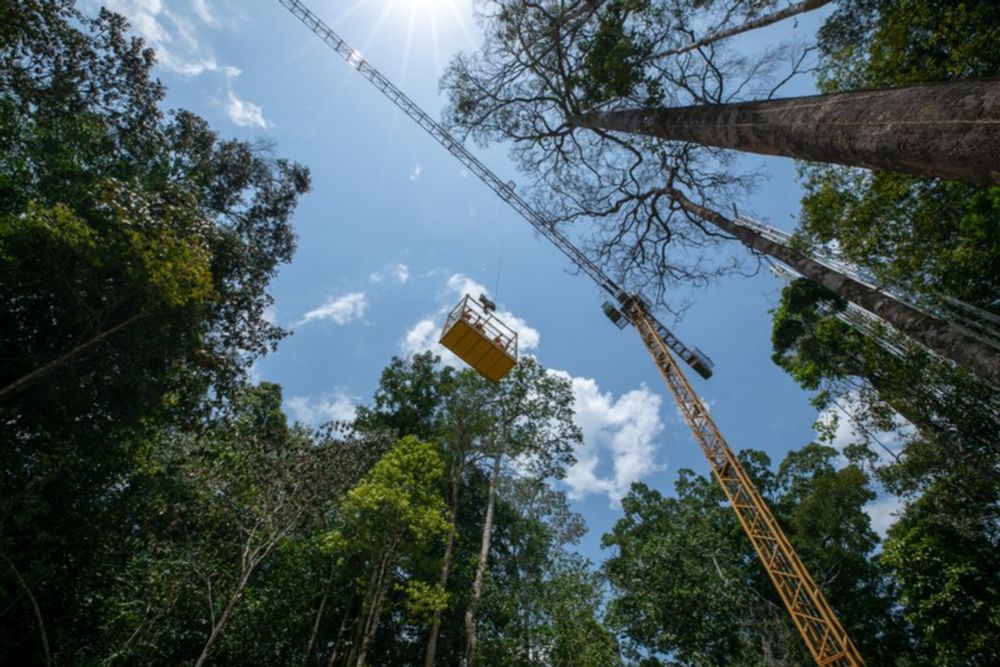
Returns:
<point x="395" y="230"/>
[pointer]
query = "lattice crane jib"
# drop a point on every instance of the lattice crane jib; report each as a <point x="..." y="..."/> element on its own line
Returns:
<point x="825" y="638"/>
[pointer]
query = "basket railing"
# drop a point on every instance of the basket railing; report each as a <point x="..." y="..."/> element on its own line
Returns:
<point x="477" y="317"/>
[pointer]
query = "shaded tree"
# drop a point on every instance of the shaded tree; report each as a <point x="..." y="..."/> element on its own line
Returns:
<point x="531" y="424"/>
<point x="165" y="238"/>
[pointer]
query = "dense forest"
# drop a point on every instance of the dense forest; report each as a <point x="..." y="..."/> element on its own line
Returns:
<point x="157" y="506"/>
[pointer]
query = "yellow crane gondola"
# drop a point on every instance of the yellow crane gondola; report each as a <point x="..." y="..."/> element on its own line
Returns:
<point x="480" y="338"/>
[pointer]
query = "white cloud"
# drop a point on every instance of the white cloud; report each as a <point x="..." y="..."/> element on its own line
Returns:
<point x="886" y="444"/>
<point x="423" y="335"/>
<point x="244" y="113"/>
<point x="318" y="410"/>
<point x="231" y="72"/>
<point x="619" y="436"/>
<point x="341" y="310"/>
<point x="415" y="174"/>
<point x="200" y="8"/>
<point x="172" y="35"/>
<point x="399" y="272"/>
<point x="883" y="512"/>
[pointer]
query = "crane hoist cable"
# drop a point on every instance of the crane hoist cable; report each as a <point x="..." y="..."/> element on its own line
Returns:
<point x="817" y="623"/>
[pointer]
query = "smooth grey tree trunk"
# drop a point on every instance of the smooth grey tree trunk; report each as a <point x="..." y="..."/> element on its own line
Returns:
<point x="943" y="130"/>
<point x="381" y="585"/>
<point x="760" y="22"/>
<point x="943" y="337"/>
<point x="471" y="638"/>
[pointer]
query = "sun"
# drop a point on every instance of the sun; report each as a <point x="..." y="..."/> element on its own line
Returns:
<point x="443" y="22"/>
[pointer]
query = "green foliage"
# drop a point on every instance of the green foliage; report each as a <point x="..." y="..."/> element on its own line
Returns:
<point x="613" y="60"/>
<point x="409" y="397"/>
<point x="686" y="582"/>
<point x="136" y="251"/>
<point x="423" y="599"/>
<point x="949" y="579"/>
<point x="398" y="500"/>
<point x="931" y="237"/>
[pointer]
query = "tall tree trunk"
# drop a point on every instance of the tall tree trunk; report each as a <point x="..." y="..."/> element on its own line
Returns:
<point x="941" y="130"/>
<point x="34" y="376"/>
<point x="484" y="551"/>
<point x="375" y="607"/>
<point x="340" y="633"/>
<point x="760" y="22"/>
<point x="943" y="337"/>
<point x="319" y="614"/>
<point x="223" y="620"/>
<point x="445" y="571"/>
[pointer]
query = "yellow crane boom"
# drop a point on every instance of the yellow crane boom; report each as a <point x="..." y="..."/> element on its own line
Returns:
<point x="825" y="638"/>
<point x="819" y="626"/>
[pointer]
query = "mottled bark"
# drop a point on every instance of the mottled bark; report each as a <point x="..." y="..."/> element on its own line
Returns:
<point x="943" y="337"/>
<point x="942" y="130"/>
<point x="760" y="22"/>
<point x="374" y="608"/>
<point x="471" y="637"/>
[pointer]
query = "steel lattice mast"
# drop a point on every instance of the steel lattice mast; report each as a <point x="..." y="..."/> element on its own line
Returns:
<point x="825" y="638"/>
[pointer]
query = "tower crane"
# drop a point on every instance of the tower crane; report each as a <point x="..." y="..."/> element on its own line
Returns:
<point x="824" y="636"/>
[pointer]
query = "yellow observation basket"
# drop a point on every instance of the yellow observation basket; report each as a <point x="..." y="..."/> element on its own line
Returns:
<point x="480" y="339"/>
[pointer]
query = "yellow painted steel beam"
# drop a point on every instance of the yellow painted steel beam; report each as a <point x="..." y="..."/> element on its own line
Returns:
<point x="825" y="638"/>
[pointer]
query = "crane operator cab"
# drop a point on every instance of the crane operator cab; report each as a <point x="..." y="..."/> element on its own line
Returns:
<point x="479" y="338"/>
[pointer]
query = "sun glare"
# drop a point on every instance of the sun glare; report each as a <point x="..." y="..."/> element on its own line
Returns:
<point x="442" y="23"/>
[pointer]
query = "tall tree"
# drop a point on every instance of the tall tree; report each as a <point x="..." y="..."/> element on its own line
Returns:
<point x="531" y="84"/>
<point x="464" y="435"/>
<point x="396" y="509"/>
<point x="166" y="238"/>
<point x="751" y="21"/>
<point x="933" y="238"/>
<point x="951" y="130"/>
<point x="947" y="339"/>
<point x="531" y="424"/>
